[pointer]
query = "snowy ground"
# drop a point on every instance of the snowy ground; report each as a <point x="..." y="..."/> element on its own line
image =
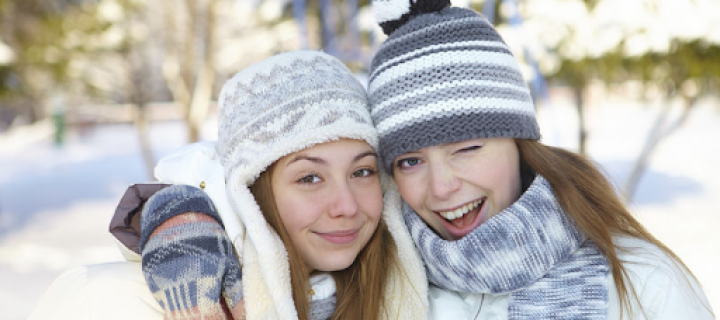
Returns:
<point x="56" y="203"/>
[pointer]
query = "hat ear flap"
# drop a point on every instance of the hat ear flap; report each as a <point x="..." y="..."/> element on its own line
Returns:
<point x="265" y="267"/>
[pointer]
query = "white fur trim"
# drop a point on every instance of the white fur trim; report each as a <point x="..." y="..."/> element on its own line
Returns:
<point x="388" y="10"/>
<point x="193" y="164"/>
<point x="406" y="295"/>
<point x="266" y="272"/>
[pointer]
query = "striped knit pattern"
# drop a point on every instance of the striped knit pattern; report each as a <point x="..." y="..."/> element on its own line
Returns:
<point x="188" y="260"/>
<point x="531" y="250"/>
<point x="443" y="77"/>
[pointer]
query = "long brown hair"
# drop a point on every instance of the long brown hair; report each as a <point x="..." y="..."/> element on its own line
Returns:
<point x="591" y="201"/>
<point x="360" y="287"/>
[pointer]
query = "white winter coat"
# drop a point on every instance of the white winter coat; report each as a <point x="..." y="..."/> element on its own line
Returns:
<point x="119" y="291"/>
<point x="115" y="291"/>
<point x="664" y="289"/>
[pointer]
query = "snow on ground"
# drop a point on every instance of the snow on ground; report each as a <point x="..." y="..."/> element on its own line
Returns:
<point x="56" y="202"/>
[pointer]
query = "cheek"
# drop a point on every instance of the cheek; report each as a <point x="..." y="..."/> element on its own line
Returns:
<point x="370" y="200"/>
<point x="297" y="213"/>
<point x="410" y="191"/>
<point x="508" y="183"/>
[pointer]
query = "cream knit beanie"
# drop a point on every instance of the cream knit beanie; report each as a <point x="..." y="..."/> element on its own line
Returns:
<point x="280" y="105"/>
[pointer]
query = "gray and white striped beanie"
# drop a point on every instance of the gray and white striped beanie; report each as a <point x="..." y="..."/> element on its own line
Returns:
<point x="443" y="75"/>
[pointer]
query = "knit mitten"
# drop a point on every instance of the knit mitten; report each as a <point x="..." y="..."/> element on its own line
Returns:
<point x="188" y="260"/>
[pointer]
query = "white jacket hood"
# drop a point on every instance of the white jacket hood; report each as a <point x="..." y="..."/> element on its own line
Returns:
<point x="266" y="277"/>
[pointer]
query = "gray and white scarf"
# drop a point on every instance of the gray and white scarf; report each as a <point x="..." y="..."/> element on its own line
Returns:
<point x="531" y="251"/>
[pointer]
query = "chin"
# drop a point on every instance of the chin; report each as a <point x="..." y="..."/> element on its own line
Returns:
<point x="336" y="264"/>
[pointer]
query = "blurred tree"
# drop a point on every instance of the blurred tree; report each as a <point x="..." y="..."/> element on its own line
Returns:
<point x="688" y="70"/>
<point x="576" y="73"/>
<point x="331" y="25"/>
<point x="588" y="41"/>
<point x="140" y="89"/>
<point x="189" y="57"/>
<point x="184" y="56"/>
<point x="44" y="37"/>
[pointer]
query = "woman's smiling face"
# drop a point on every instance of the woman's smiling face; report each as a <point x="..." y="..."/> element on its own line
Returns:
<point x="329" y="200"/>
<point x="458" y="186"/>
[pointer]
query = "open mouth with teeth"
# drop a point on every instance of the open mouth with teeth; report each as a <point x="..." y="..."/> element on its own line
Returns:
<point x="463" y="220"/>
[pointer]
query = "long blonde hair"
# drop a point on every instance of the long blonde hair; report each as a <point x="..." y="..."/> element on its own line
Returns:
<point x="360" y="287"/>
<point x="591" y="201"/>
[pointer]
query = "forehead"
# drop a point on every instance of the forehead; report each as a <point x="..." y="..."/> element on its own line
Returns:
<point x="341" y="150"/>
<point x="487" y="143"/>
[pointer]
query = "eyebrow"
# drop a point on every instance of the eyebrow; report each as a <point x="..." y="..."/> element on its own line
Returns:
<point x="324" y="162"/>
<point x="365" y="154"/>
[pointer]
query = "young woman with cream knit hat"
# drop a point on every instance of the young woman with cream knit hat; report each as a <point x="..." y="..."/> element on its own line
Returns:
<point x="508" y="228"/>
<point x="282" y="217"/>
<point x="296" y="144"/>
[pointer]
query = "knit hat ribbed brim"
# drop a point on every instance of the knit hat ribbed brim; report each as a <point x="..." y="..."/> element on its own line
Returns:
<point x="443" y="75"/>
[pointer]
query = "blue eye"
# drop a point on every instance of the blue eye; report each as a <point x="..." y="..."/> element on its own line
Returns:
<point x="366" y="172"/>
<point x="407" y="162"/>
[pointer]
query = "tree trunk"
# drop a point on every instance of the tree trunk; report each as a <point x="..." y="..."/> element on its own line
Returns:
<point x="140" y="120"/>
<point x="139" y="88"/>
<point x="191" y="84"/>
<point x="660" y="130"/>
<point x="202" y="93"/>
<point x="143" y="130"/>
<point x="171" y="66"/>
<point x="579" y="92"/>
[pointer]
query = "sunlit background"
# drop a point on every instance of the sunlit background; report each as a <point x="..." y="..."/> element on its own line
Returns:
<point x="93" y="93"/>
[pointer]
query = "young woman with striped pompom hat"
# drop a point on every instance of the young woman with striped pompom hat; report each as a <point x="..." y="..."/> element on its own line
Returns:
<point x="508" y="228"/>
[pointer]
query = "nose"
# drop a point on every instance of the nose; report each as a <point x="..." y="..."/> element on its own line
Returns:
<point x="443" y="181"/>
<point x="343" y="203"/>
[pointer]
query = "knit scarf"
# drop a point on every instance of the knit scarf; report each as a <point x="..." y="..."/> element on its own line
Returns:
<point x="531" y="251"/>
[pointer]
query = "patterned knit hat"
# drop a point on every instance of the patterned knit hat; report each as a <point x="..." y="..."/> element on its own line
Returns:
<point x="283" y="104"/>
<point x="443" y="75"/>
<point x="275" y="107"/>
<point x="287" y="103"/>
